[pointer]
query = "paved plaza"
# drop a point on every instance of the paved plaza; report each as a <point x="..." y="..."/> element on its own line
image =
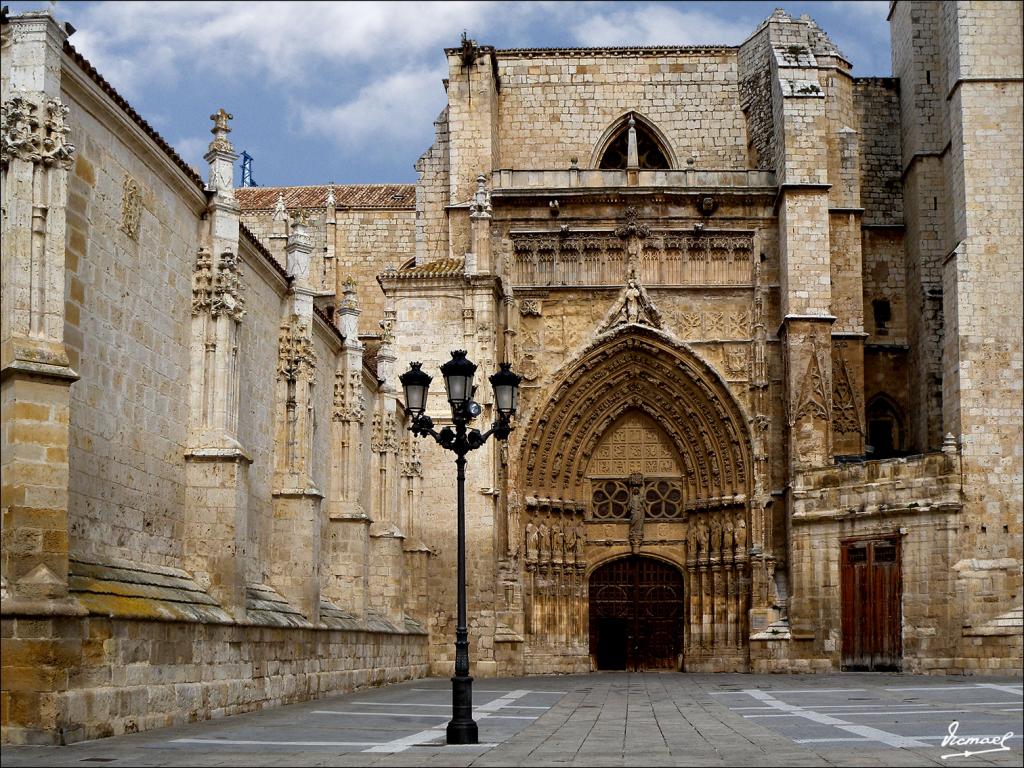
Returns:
<point x="602" y="719"/>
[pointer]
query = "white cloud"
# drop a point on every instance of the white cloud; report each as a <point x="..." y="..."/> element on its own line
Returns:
<point x="280" y="40"/>
<point x="660" y="25"/>
<point x="394" y="108"/>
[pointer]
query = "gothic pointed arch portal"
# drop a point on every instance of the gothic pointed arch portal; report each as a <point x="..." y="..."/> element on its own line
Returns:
<point x="639" y="450"/>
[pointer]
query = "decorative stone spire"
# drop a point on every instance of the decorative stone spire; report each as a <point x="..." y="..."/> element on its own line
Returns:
<point x="331" y="202"/>
<point x="632" y="156"/>
<point x="221" y="156"/>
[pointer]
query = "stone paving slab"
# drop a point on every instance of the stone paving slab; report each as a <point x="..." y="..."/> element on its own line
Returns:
<point x="602" y="719"/>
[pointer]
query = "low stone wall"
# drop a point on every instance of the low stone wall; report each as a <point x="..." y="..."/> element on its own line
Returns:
<point x="67" y="679"/>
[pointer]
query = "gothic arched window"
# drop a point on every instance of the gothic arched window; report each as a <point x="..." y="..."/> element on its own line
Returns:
<point x="650" y="154"/>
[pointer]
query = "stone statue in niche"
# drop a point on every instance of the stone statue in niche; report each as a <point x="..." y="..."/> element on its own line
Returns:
<point x="530" y="541"/>
<point x="636" y="511"/>
<point x="632" y="301"/>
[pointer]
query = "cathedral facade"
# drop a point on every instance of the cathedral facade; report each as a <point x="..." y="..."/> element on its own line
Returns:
<point x="767" y="318"/>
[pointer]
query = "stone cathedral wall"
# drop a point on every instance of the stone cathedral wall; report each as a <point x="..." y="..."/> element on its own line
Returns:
<point x="556" y="107"/>
<point x="157" y="588"/>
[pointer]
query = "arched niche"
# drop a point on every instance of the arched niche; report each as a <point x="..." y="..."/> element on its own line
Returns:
<point x="653" y="148"/>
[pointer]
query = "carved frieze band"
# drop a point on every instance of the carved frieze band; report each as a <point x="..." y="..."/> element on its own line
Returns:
<point x="600" y="258"/>
<point x="35" y="133"/>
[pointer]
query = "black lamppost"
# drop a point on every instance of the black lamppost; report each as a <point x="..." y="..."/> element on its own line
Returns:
<point x="458" y="381"/>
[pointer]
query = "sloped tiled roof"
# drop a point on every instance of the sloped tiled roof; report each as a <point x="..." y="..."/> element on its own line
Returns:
<point x="392" y="196"/>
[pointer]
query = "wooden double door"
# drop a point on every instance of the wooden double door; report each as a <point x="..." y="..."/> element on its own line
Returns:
<point x="872" y="588"/>
<point x="636" y="614"/>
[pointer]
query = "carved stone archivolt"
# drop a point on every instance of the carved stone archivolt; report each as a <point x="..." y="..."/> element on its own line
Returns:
<point x="36" y="133"/>
<point x="638" y="370"/>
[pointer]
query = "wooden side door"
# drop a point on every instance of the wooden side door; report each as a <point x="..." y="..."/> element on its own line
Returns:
<point x="871" y="591"/>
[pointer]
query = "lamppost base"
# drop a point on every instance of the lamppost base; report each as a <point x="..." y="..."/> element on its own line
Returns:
<point x="462" y="728"/>
<point x="462" y="733"/>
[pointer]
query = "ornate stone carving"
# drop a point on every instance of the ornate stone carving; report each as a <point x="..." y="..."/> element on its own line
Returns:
<point x="228" y="298"/>
<point x="630" y="228"/>
<point x="202" y="282"/>
<point x="847" y="410"/>
<point x="348" y="397"/>
<point x="529" y="307"/>
<point x="412" y="465"/>
<point x="480" y="207"/>
<point x="220" y="132"/>
<point x="295" y="358"/>
<point x="36" y="138"/>
<point x="350" y="300"/>
<point x="513" y="508"/>
<point x="736" y="360"/>
<point x="383" y="434"/>
<point x="632" y="306"/>
<point x="814" y="393"/>
<point x="131" y="207"/>
<point x="637" y="371"/>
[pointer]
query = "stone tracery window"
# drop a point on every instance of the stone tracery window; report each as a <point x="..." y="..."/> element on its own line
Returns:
<point x="635" y="443"/>
<point x="650" y="154"/>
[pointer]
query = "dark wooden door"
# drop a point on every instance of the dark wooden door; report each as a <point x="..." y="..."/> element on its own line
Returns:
<point x="636" y="606"/>
<point x="871" y="593"/>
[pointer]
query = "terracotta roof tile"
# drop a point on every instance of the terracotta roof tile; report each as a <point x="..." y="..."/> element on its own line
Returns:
<point x="118" y="99"/>
<point x="393" y="196"/>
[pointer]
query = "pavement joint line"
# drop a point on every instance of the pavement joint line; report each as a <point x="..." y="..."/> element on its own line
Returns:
<point x="1015" y="689"/>
<point x="961" y="687"/>
<point x="876" y="734"/>
<point x="449" y="706"/>
<point x="788" y="690"/>
<point x="482" y="712"/>
<point x="411" y="714"/>
<point x="253" y="742"/>
<point x="482" y="690"/>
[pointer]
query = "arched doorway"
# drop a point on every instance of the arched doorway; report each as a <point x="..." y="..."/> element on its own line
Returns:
<point x="641" y="451"/>
<point x="636" y="615"/>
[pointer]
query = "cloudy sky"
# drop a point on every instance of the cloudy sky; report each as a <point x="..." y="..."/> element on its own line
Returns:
<point x="347" y="92"/>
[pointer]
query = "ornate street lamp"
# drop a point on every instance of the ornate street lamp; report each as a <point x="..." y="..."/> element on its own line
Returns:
<point x="458" y="381"/>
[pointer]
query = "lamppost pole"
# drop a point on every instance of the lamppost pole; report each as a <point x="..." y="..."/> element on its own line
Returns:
<point x="458" y="378"/>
